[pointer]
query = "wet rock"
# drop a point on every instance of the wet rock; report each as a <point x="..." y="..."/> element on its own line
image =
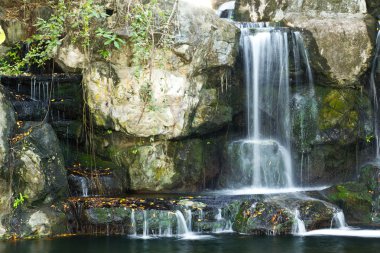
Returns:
<point x="276" y="214"/>
<point x="44" y="221"/>
<point x="370" y="176"/>
<point x="258" y="217"/>
<point x="98" y="184"/>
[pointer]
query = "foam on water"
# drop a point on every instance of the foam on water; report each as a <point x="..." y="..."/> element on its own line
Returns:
<point x="260" y="190"/>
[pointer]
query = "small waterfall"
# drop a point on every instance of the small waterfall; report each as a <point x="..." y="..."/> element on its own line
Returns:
<point x="339" y="220"/>
<point x="182" y="229"/>
<point x="228" y="224"/>
<point x="145" y="225"/>
<point x="168" y="231"/>
<point x="298" y="226"/>
<point x="218" y="216"/>
<point x="189" y="219"/>
<point x="268" y="116"/>
<point x="33" y="88"/>
<point x="133" y="223"/>
<point x="84" y="186"/>
<point x="265" y="157"/>
<point x="375" y="98"/>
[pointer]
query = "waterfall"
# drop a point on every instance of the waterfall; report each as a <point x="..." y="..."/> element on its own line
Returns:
<point x="188" y="218"/>
<point x="264" y="157"/>
<point x="298" y="226"/>
<point x="83" y="183"/>
<point x="218" y="216"/>
<point x="339" y="220"/>
<point x="182" y="228"/>
<point x="145" y="226"/>
<point x="133" y="223"/>
<point x="375" y="97"/>
<point x="267" y="148"/>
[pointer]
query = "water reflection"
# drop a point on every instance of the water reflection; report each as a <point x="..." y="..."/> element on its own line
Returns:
<point x="219" y="244"/>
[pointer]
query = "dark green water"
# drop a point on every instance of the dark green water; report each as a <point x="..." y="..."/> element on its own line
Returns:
<point x="220" y="243"/>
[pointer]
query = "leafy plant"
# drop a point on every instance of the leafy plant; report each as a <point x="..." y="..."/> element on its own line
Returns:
<point x="110" y="39"/>
<point x="19" y="200"/>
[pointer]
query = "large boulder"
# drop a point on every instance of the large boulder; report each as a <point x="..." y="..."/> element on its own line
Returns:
<point x="323" y="23"/>
<point x="44" y="221"/>
<point x="185" y="166"/>
<point x="340" y="64"/>
<point x="38" y="165"/>
<point x="182" y="93"/>
<point x="278" y="214"/>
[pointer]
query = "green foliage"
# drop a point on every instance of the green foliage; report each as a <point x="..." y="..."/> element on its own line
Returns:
<point x="147" y="25"/>
<point x="12" y="63"/>
<point x="19" y="200"/>
<point x="80" y="19"/>
<point x="110" y="39"/>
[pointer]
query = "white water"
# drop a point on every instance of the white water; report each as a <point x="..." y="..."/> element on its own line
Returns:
<point x="349" y="232"/>
<point x="189" y="215"/>
<point x="298" y="226"/>
<point x="133" y="223"/>
<point x="260" y="190"/>
<point x="83" y="182"/>
<point x="228" y="224"/>
<point x="39" y="91"/>
<point x="338" y="228"/>
<point x="267" y="83"/>
<point x="339" y="221"/>
<point x="145" y="226"/>
<point x="183" y="231"/>
<point x="375" y="100"/>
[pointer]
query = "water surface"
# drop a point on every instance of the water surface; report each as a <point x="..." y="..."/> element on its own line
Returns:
<point x="218" y="243"/>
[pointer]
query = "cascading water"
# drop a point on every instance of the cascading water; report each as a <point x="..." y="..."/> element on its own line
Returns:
<point x="266" y="150"/>
<point x="375" y="99"/>
<point x="338" y="220"/>
<point x="299" y="225"/>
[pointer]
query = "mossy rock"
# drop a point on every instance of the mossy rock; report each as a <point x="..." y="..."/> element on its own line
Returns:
<point x="355" y="200"/>
<point x="263" y="218"/>
<point x="344" y="115"/>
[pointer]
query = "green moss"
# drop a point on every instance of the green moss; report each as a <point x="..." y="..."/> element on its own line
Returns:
<point x="355" y="200"/>
<point x="351" y="192"/>
<point x="338" y="109"/>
